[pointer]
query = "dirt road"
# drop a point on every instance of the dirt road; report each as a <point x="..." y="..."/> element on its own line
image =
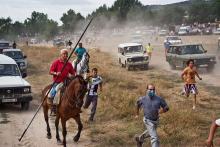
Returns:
<point x="13" y="122"/>
<point x="158" y="58"/>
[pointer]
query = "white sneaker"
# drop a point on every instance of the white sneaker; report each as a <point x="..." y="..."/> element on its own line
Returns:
<point x="194" y="107"/>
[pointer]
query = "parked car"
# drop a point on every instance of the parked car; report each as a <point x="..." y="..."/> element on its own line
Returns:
<point x="132" y="55"/>
<point x="19" y="57"/>
<point x="217" y="32"/>
<point x="58" y="42"/>
<point x="4" y="45"/>
<point x="33" y="41"/>
<point x="218" y="51"/>
<point x="13" y="88"/>
<point x="178" y="55"/>
<point x="195" y="31"/>
<point x="207" y="31"/>
<point x="163" y="33"/>
<point x="173" y="40"/>
<point x="184" y="30"/>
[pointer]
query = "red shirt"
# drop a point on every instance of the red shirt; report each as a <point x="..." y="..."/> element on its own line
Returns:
<point x="57" y="66"/>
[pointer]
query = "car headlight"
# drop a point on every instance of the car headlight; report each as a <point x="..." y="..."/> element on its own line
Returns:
<point x="27" y="89"/>
<point x="129" y="60"/>
<point x="145" y="58"/>
<point x="22" y="64"/>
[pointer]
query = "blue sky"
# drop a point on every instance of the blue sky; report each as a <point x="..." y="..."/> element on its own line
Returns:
<point x="21" y="9"/>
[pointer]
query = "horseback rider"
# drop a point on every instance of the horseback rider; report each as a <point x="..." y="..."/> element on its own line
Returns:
<point x="79" y="53"/>
<point x="59" y="77"/>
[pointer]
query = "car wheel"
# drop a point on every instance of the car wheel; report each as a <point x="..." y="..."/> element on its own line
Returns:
<point x="210" y="68"/>
<point x="25" y="105"/>
<point x="146" y="67"/>
<point x="127" y="67"/>
<point x="172" y="66"/>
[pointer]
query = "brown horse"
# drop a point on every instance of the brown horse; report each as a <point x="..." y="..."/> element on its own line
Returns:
<point x="69" y="107"/>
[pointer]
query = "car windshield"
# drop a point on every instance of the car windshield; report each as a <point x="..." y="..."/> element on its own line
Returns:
<point x="14" y="54"/>
<point x="9" y="70"/>
<point x="173" y="38"/>
<point x="182" y="30"/>
<point x="132" y="49"/>
<point x="192" y="49"/>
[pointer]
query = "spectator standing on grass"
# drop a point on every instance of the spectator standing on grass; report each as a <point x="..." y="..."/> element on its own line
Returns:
<point x="152" y="105"/>
<point x="92" y="95"/>
<point x="188" y="76"/>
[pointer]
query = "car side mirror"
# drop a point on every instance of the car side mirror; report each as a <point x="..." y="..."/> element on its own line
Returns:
<point x="205" y="51"/>
<point x="145" y="52"/>
<point x="123" y="53"/>
<point x="25" y="56"/>
<point x="24" y="75"/>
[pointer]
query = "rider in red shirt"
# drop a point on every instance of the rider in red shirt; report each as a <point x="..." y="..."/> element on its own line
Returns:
<point x="59" y="77"/>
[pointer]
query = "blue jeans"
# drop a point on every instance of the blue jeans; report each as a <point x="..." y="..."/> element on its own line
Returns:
<point x="91" y="99"/>
<point x="150" y="132"/>
<point x="53" y="91"/>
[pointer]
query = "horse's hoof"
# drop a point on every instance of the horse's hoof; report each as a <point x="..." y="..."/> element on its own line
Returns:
<point x="59" y="142"/>
<point x="49" y="136"/>
<point x="76" y="138"/>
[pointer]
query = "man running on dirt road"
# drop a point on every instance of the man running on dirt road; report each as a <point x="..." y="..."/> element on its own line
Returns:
<point x="188" y="76"/>
<point x="152" y="105"/>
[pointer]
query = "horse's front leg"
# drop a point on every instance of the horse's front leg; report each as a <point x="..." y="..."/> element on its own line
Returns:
<point x="80" y="127"/>
<point x="63" y="121"/>
<point x="57" y="128"/>
<point x="45" y="110"/>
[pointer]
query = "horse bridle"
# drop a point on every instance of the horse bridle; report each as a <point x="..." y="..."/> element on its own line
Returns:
<point x="78" y="100"/>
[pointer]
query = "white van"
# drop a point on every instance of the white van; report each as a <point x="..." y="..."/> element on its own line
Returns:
<point x="13" y="88"/>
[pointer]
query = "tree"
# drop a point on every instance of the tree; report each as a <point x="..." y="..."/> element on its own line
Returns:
<point x="199" y="11"/>
<point x="70" y="20"/>
<point x="5" y="24"/>
<point x="122" y="7"/>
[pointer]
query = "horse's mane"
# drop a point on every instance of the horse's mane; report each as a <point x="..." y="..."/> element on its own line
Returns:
<point x="81" y="80"/>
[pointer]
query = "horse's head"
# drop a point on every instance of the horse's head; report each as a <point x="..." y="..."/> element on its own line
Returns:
<point x="80" y="89"/>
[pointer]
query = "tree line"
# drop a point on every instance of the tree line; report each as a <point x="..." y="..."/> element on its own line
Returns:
<point x="122" y="11"/>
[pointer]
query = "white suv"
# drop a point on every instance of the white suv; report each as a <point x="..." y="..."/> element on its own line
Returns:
<point x="132" y="55"/>
<point x="13" y="88"/>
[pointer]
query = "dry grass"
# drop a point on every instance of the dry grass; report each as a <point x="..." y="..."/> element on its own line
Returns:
<point x="115" y="124"/>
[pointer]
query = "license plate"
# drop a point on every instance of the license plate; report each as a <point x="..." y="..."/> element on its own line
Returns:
<point x="8" y="100"/>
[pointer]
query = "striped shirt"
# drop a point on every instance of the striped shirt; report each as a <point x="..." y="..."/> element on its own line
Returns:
<point x="93" y="85"/>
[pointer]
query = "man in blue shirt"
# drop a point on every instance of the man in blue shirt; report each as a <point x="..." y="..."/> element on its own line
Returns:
<point x="152" y="105"/>
<point x="79" y="53"/>
<point x="166" y="46"/>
